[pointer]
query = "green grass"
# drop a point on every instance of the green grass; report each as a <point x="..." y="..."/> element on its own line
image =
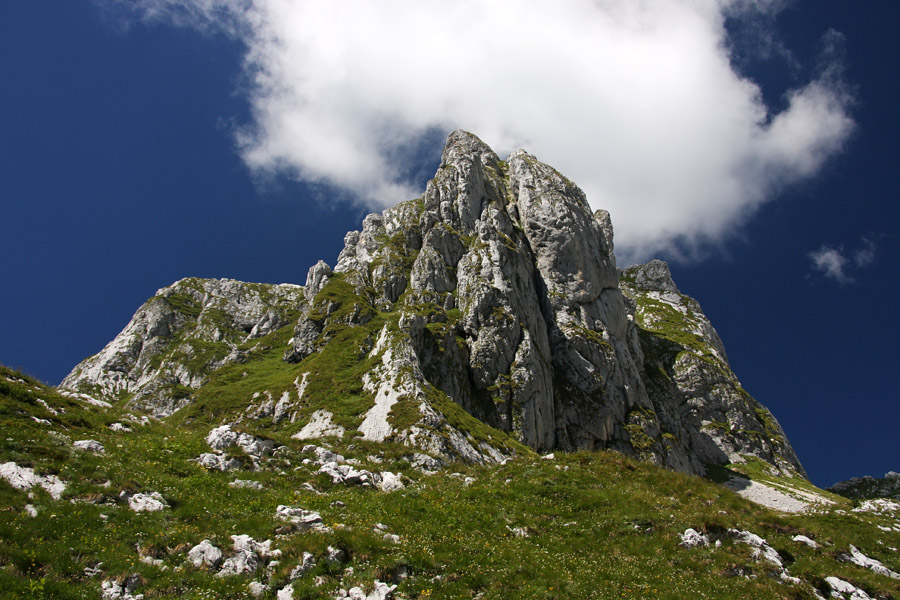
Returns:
<point x="598" y="525"/>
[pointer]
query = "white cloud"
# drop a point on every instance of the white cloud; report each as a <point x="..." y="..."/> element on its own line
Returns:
<point x="635" y="100"/>
<point x="832" y="263"/>
<point x="865" y="255"/>
<point x="836" y="264"/>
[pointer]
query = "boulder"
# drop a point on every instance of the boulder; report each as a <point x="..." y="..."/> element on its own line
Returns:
<point x="304" y="520"/>
<point x="205" y="554"/>
<point x="390" y="482"/>
<point x="151" y="502"/>
<point x="89" y="446"/>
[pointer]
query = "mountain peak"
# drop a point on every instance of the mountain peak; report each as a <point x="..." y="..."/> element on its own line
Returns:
<point x="486" y="316"/>
<point x="461" y="143"/>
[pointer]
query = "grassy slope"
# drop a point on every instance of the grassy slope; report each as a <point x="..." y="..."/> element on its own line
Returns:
<point x="599" y="525"/>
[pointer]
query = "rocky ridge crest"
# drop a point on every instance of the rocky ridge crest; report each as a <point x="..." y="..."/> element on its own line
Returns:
<point x="493" y="299"/>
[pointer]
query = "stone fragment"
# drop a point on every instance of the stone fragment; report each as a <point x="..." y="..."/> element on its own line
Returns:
<point x="381" y="591"/>
<point x="335" y="555"/>
<point x="151" y="502"/>
<point x="221" y="438"/>
<point x="115" y="589"/>
<point x="846" y="590"/>
<point x="307" y="564"/>
<point x="248" y="555"/>
<point x="205" y="554"/>
<point x="761" y="548"/>
<point x="390" y="482"/>
<point x="304" y="520"/>
<point x="858" y="558"/>
<point x="802" y="539"/>
<point x="347" y="475"/>
<point x="89" y="446"/>
<point x="424" y="463"/>
<point x="246" y="483"/>
<point x="692" y="538"/>
<point x="286" y="593"/>
<point x="24" y="478"/>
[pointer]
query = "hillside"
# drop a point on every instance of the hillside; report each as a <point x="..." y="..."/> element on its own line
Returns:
<point x="585" y="524"/>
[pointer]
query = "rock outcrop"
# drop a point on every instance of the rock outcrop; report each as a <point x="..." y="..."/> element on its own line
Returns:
<point x="494" y="299"/>
<point x="179" y="336"/>
<point x="869" y="487"/>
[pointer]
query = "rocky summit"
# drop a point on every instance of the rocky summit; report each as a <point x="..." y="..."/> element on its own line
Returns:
<point x="473" y="402"/>
<point x="496" y="293"/>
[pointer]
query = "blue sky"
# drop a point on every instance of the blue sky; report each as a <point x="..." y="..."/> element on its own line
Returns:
<point x="147" y="141"/>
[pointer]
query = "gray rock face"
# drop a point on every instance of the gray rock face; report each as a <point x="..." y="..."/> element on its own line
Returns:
<point x="179" y="336"/>
<point x="500" y="293"/>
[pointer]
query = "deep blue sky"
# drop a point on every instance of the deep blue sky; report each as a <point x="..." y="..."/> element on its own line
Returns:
<point x="119" y="175"/>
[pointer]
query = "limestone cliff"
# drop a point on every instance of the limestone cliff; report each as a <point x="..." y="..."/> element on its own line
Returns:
<point x="496" y="293"/>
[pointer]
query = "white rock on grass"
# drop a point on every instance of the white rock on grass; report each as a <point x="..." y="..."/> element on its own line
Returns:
<point x="24" y="478"/>
<point x="348" y="475"/>
<point x="879" y="506"/>
<point x="382" y="591"/>
<point x="858" y="558"/>
<point x="89" y="446"/>
<point x="307" y="564"/>
<point x="263" y="549"/>
<point x="30" y="510"/>
<point x="802" y="539"/>
<point x="205" y="554"/>
<point x="390" y="482"/>
<point x="692" y="538"/>
<point x="846" y="590"/>
<point x="305" y="520"/>
<point x="151" y="502"/>
<point x="218" y="462"/>
<point x="223" y="437"/>
<point x="424" y="463"/>
<point x="239" y="563"/>
<point x="154" y="562"/>
<point x="120" y="428"/>
<point x="256" y="589"/>
<point x="248" y="556"/>
<point x="113" y="589"/>
<point x="246" y="483"/>
<point x="323" y="455"/>
<point x="286" y="593"/>
<point x="335" y="556"/>
<point x="761" y="548"/>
